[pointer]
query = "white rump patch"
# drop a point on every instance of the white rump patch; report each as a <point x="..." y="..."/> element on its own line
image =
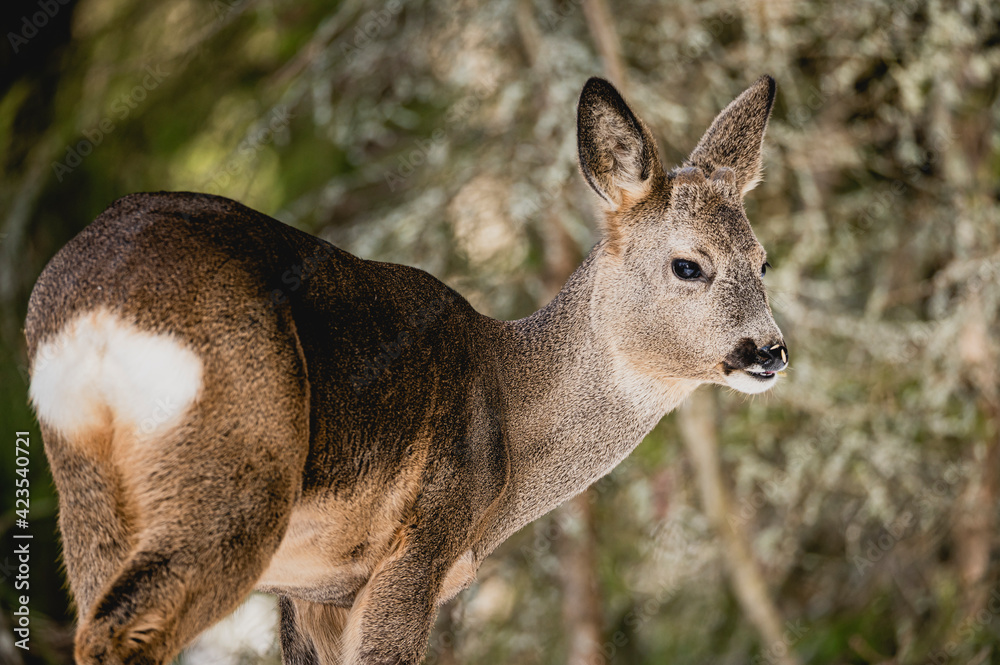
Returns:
<point x="100" y="365"/>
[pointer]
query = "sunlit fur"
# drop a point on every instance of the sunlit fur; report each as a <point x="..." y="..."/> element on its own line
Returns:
<point x="352" y="435"/>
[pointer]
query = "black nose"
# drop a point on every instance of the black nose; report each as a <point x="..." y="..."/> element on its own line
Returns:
<point x="773" y="358"/>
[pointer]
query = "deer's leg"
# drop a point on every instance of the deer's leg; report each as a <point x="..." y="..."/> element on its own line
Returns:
<point x="392" y="616"/>
<point x="310" y="632"/>
<point x="211" y="500"/>
<point x="93" y="521"/>
<point x="208" y="530"/>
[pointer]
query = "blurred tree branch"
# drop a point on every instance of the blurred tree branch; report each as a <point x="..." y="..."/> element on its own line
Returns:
<point x="602" y="30"/>
<point x="697" y="424"/>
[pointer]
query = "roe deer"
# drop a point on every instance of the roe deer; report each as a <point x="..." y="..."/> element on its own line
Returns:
<point x="356" y="438"/>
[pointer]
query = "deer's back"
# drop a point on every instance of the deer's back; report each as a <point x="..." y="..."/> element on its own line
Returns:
<point x="403" y="398"/>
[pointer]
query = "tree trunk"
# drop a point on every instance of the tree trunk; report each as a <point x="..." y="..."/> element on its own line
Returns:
<point x="697" y="423"/>
<point x="581" y="598"/>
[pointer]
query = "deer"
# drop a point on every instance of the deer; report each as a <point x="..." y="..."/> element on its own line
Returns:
<point x="229" y="404"/>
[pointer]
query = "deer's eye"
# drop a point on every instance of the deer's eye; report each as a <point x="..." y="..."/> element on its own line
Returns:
<point x="685" y="269"/>
<point x="763" y="268"/>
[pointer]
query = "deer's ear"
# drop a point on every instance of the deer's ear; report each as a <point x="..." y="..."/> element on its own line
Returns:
<point x="735" y="138"/>
<point x="617" y="152"/>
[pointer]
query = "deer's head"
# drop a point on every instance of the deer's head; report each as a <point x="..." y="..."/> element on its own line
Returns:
<point x="679" y="286"/>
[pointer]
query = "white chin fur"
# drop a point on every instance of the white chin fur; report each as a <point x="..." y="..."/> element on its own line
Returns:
<point x="740" y="380"/>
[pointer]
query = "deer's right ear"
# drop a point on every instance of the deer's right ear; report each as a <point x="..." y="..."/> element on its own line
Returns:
<point x="617" y="151"/>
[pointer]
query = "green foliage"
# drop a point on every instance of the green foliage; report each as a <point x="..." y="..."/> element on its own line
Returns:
<point x="442" y="135"/>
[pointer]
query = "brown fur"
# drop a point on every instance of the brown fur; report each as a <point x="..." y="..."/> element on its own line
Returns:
<point x="362" y="438"/>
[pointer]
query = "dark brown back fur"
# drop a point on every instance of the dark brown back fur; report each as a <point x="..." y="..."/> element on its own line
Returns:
<point x="352" y="435"/>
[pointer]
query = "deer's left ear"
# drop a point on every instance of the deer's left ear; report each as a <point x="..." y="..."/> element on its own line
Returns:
<point x="617" y="151"/>
<point x="735" y="138"/>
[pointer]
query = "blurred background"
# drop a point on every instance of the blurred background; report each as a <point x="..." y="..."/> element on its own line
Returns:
<point x="848" y="516"/>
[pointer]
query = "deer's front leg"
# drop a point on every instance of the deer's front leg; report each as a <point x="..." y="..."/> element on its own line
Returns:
<point x="392" y="617"/>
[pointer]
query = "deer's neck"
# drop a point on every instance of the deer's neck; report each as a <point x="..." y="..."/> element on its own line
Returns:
<point x="574" y="407"/>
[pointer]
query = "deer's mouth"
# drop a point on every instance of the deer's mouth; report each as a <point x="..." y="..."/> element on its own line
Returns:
<point x="751" y="380"/>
